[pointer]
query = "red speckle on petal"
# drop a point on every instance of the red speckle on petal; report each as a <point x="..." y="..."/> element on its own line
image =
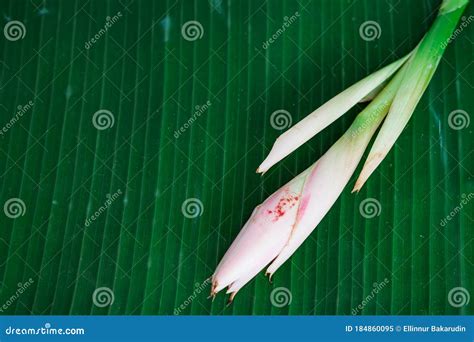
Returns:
<point x="288" y="201"/>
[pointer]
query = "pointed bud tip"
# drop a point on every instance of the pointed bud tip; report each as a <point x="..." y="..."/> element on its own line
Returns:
<point x="269" y="275"/>
<point x="261" y="170"/>
<point x="357" y="188"/>
<point x="359" y="182"/>
<point x="266" y="164"/>
<point x="231" y="299"/>
<point x="213" y="290"/>
<point x="373" y="161"/>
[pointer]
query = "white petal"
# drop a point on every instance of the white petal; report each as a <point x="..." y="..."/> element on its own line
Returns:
<point x="326" y="114"/>
<point x="334" y="169"/>
<point x="326" y="182"/>
<point x="262" y="238"/>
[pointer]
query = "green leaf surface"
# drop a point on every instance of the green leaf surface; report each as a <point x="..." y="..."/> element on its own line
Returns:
<point x="133" y="218"/>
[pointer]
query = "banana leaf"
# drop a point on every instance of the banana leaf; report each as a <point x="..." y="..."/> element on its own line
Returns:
<point x="130" y="135"/>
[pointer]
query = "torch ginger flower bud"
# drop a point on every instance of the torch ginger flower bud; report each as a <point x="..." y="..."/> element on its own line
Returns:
<point x="279" y="225"/>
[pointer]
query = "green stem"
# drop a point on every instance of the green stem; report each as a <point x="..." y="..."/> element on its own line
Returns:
<point x="367" y="121"/>
<point x="420" y="69"/>
<point x="452" y="5"/>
